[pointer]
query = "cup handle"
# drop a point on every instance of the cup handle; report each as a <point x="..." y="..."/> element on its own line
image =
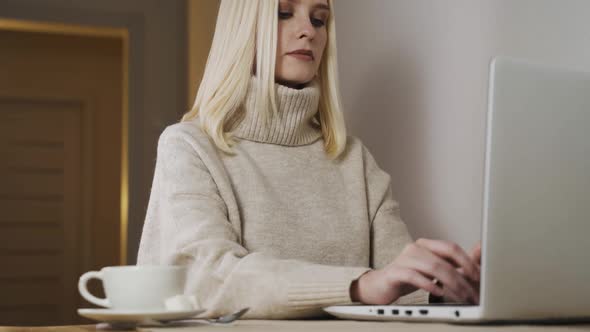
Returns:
<point x="84" y="290"/>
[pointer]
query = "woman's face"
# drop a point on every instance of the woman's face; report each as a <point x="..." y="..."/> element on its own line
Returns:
<point x="302" y="26"/>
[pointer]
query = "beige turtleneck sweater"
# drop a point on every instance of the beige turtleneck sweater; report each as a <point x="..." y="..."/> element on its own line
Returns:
<point x="277" y="227"/>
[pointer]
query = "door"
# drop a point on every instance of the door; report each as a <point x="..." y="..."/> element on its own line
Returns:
<point x="61" y="142"/>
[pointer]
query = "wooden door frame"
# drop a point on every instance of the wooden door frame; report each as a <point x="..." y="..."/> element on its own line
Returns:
<point x="141" y="125"/>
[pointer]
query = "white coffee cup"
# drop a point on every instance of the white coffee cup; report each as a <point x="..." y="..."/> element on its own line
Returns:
<point x="141" y="287"/>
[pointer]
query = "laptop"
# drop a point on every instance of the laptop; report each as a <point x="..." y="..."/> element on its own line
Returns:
<point x="536" y="203"/>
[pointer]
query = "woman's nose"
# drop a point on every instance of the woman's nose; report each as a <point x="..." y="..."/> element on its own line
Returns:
<point x="305" y="28"/>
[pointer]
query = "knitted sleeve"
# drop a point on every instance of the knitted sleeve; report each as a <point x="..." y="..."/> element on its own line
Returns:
<point x="389" y="234"/>
<point x="187" y="224"/>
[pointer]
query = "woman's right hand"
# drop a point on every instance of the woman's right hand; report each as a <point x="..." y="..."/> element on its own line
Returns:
<point x="415" y="268"/>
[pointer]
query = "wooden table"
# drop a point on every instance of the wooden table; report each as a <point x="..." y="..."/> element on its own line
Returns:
<point x="314" y="325"/>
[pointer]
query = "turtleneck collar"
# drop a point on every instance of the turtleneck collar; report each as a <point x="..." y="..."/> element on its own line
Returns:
<point x="295" y="123"/>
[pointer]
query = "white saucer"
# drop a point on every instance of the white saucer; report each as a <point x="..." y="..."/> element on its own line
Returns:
<point x="135" y="316"/>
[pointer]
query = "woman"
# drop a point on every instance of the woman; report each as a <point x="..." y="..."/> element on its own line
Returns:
<point x="267" y="200"/>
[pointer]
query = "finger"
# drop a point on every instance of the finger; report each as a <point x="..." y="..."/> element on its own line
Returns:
<point x="476" y="253"/>
<point x="432" y="266"/>
<point x="475" y="285"/>
<point x="415" y="279"/>
<point x="463" y="288"/>
<point x="453" y="252"/>
<point x="450" y="296"/>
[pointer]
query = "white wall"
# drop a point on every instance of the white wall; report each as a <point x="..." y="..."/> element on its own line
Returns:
<point x="413" y="77"/>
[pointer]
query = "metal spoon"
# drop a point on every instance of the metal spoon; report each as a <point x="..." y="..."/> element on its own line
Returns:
<point x="225" y="319"/>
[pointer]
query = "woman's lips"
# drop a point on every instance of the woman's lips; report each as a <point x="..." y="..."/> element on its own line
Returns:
<point x="300" y="56"/>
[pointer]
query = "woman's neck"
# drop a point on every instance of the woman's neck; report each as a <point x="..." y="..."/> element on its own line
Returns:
<point x="292" y="85"/>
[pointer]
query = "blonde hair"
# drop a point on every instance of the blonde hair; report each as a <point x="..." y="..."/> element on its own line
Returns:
<point x="248" y="29"/>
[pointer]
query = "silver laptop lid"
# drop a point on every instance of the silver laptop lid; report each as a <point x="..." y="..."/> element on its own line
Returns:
<point x="536" y="224"/>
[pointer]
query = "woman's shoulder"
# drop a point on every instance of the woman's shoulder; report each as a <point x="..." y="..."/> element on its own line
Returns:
<point x="189" y="129"/>
<point x="185" y="134"/>
<point x="355" y="146"/>
<point x="353" y="142"/>
<point x="356" y="149"/>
